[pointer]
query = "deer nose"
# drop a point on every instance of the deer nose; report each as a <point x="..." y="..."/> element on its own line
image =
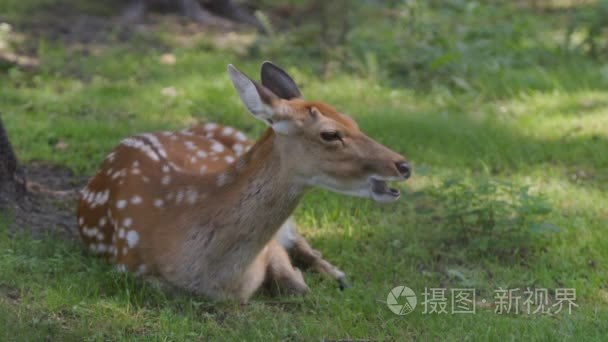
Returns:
<point x="404" y="169"/>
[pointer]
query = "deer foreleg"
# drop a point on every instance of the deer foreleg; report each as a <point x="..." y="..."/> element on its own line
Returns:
<point x="306" y="256"/>
<point x="281" y="273"/>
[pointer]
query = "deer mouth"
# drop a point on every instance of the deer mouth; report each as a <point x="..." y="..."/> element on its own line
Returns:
<point x="381" y="192"/>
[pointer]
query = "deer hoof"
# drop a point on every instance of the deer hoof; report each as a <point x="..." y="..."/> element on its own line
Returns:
<point x="343" y="283"/>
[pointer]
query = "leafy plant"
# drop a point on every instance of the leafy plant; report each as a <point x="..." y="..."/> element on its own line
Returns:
<point x="491" y="217"/>
<point x="591" y="23"/>
<point x="414" y="42"/>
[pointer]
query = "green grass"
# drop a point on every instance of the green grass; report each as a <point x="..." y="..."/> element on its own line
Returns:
<point x="541" y="124"/>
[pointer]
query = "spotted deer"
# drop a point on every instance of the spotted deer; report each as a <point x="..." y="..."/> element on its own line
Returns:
<point x="209" y="211"/>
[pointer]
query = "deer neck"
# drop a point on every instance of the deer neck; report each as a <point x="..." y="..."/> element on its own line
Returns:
<point x="251" y="200"/>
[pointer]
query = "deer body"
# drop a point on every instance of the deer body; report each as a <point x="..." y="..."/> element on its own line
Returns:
<point x="224" y="245"/>
<point x="203" y="208"/>
<point x="210" y="218"/>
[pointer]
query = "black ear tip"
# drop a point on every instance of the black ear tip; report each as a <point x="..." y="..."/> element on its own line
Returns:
<point x="268" y="65"/>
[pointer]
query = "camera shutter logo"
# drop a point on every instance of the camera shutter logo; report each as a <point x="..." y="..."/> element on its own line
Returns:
<point x="401" y="300"/>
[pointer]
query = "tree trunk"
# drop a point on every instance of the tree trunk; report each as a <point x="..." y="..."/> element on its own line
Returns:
<point x="228" y="9"/>
<point x="220" y="13"/>
<point x="12" y="181"/>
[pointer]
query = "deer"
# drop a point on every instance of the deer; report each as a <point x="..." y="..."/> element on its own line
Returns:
<point x="209" y="211"/>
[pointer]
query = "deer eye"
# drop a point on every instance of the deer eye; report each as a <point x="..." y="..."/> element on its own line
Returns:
<point x="330" y="136"/>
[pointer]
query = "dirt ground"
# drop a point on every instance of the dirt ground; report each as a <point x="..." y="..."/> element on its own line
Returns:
<point x="49" y="206"/>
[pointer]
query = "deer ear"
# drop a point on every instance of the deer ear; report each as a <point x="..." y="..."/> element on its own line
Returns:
<point x="257" y="98"/>
<point x="279" y="82"/>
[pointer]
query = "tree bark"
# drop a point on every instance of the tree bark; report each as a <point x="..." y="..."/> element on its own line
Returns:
<point x="220" y="13"/>
<point x="228" y="9"/>
<point x="12" y="180"/>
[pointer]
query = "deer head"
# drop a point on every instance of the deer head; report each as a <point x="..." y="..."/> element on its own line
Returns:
<point x="317" y="143"/>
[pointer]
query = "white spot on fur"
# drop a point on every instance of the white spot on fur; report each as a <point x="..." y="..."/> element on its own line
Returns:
<point x="121" y="233"/>
<point x="158" y="203"/>
<point x="93" y="198"/>
<point x="210" y="126"/>
<point x="80" y="221"/>
<point x="136" y="199"/>
<point x="227" y="131"/>
<point x="100" y="198"/>
<point x="175" y="167"/>
<point x="238" y="149"/>
<point x="127" y="222"/>
<point x="166" y="180"/>
<point x="111" y="156"/>
<point x="90" y="232"/>
<point x="84" y="194"/>
<point x="121" y="204"/>
<point x="201" y="154"/>
<point x="190" y="145"/>
<point x="229" y="159"/>
<point x="132" y="238"/>
<point x="217" y="147"/>
<point x="240" y="136"/>
<point x="203" y="169"/>
<point x="156" y="143"/>
<point x="142" y="146"/>
<point x="120" y="173"/>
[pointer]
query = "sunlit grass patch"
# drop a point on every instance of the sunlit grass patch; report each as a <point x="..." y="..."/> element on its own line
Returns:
<point x="537" y="124"/>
